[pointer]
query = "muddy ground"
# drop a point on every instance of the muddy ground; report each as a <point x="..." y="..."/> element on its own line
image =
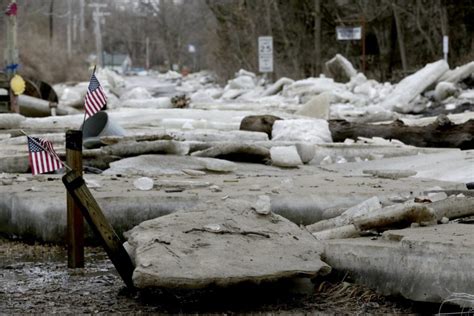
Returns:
<point x="35" y="279"/>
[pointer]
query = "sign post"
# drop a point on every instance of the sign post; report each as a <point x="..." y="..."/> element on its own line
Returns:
<point x="353" y="33"/>
<point x="445" y="47"/>
<point x="265" y="54"/>
<point x="345" y="33"/>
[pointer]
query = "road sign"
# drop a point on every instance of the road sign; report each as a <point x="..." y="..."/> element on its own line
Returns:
<point x="348" y="33"/>
<point x="265" y="54"/>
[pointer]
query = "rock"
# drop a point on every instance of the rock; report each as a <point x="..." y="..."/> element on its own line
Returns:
<point x="444" y="90"/>
<point x="285" y="156"/>
<point x="259" y="123"/>
<point x="444" y="220"/>
<point x="412" y="86"/>
<point x="340" y="68"/>
<point x="215" y="188"/>
<point x="263" y="205"/>
<point x="311" y="131"/>
<point x="143" y="184"/>
<point x="317" y="106"/>
<point x="277" y="86"/>
<point x="220" y="245"/>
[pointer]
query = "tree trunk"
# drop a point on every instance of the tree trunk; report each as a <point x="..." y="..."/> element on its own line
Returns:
<point x="441" y="133"/>
<point x="317" y="38"/>
<point x="401" y="43"/>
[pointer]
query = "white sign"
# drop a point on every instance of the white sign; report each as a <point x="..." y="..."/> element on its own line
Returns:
<point x="191" y="48"/>
<point x="348" y="33"/>
<point x="265" y="54"/>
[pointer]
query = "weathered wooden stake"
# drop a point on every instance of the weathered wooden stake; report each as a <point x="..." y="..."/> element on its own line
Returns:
<point x="77" y="188"/>
<point x="75" y="222"/>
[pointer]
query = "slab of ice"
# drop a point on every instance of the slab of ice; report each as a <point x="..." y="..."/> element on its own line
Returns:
<point x="340" y="68"/>
<point x="317" y="106"/>
<point x="302" y="130"/>
<point x="445" y="89"/>
<point x="10" y="120"/>
<point x="467" y="94"/>
<point x="136" y="93"/>
<point x="241" y="83"/>
<point x="459" y="73"/>
<point x="311" y="86"/>
<point x="285" y="156"/>
<point x="411" y="87"/>
<point x="153" y="103"/>
<point x="143" y="184"/>
<point x="220" y="244"/>
<point x="455" y="166"/>
<point x="217" y="165"/>
<point x="277" y="86"/>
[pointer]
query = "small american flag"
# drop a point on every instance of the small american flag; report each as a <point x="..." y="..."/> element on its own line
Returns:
<point x="11" y="9"/>
<point x="95" y="97"/>
<point x="43" y="158"/>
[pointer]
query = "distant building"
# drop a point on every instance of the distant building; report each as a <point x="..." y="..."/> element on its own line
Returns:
<point x="121" y="63"/>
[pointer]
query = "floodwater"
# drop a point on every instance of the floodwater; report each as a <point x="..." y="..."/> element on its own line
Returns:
<point x="35" y="279"/>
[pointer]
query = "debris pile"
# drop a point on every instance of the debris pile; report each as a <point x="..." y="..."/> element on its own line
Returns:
<point x="256" y="181"/>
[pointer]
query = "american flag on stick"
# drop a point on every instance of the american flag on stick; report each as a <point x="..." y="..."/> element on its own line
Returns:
<point x="95" y="97"/>
<point x="11" y="9"/>
<point x="43" y="158"/>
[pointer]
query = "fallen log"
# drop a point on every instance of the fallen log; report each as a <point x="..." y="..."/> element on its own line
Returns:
<point x="441" y="133"/>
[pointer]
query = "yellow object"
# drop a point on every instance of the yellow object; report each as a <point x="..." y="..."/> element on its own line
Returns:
<point x="17" y="84"/>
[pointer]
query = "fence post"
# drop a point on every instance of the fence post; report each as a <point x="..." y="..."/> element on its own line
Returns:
<point x="75" y="222"/>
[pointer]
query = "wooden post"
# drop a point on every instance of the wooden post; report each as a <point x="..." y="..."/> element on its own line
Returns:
<point x="75" y="222"/>
<point x="77" y="188"/>
<point x="11" y="55"/>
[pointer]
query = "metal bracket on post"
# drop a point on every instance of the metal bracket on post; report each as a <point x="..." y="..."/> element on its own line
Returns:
<point x="75" y="222"/>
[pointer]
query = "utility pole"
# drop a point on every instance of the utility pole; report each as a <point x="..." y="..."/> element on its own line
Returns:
<point x="11" y="51"/>
<point x="51" y="20"/>
<point x="97" y="15"/>
<point x="74" y="28"/>
<point x="147" y="52"/>
<point x="82" y="25"/>
<point x="69" y="29"/>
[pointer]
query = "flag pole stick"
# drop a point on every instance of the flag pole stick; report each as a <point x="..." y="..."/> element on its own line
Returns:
<point x="84" y="120"/>
<point x="40" y="146"/>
